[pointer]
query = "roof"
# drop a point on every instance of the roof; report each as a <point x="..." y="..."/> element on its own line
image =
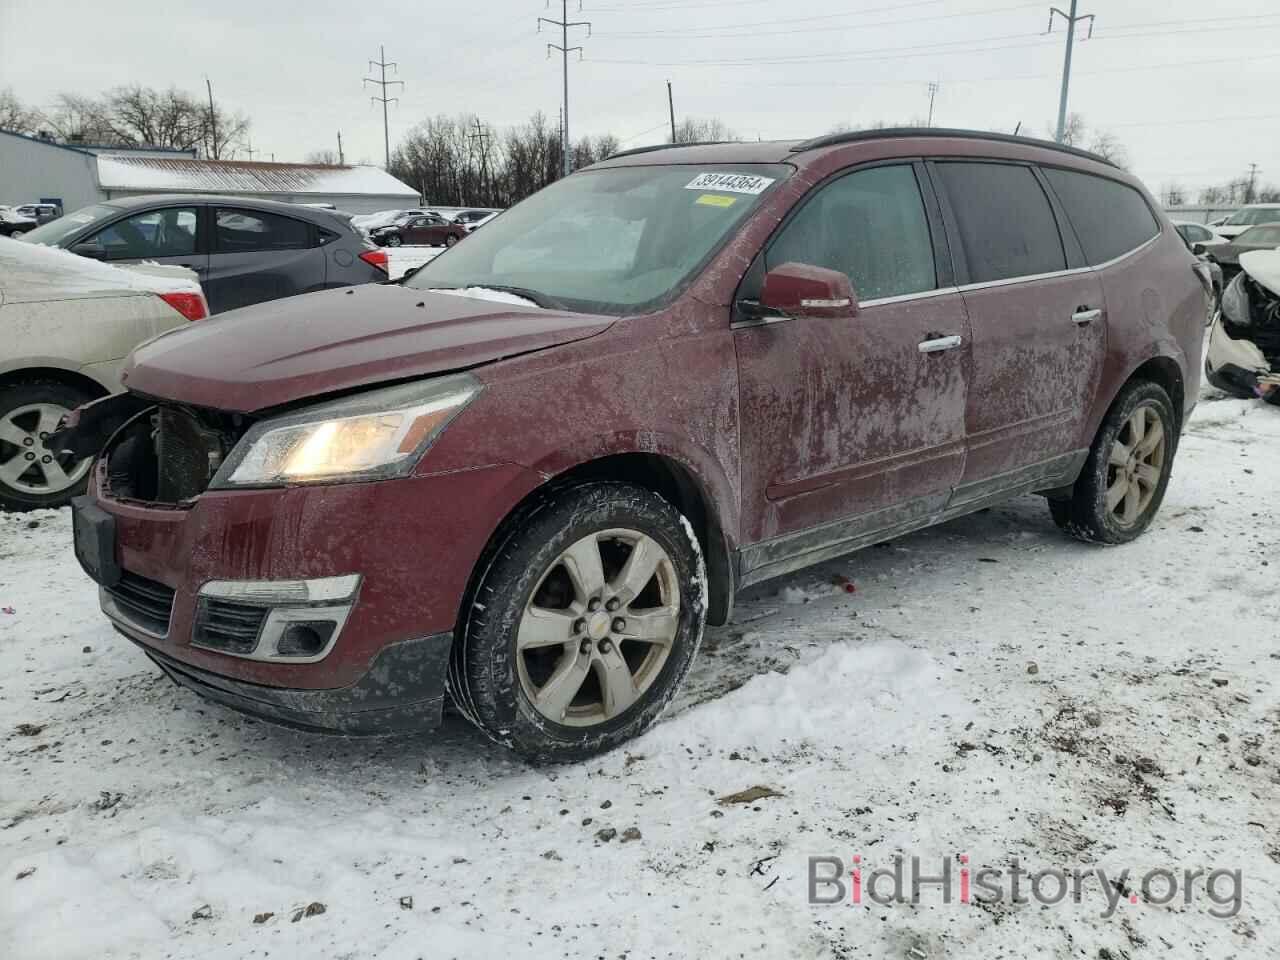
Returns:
<point x="781" y="151"/>
<point x="185" y="175"/>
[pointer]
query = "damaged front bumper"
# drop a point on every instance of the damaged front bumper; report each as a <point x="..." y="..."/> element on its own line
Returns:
<point x="1238" y="366"/>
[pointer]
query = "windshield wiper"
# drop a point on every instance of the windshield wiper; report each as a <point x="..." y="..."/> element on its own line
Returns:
<point x="537" y="296"/>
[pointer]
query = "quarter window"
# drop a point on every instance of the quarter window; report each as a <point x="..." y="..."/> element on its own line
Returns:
<point x="244" y="231"/>
<point x="1005" y="224"/>
<point x="870" y="225"/>
<point x="1110" y="218"/>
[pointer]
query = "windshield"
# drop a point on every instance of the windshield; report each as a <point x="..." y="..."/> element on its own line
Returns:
<point x="619" y="240"/>
<point x="55" y="231"/>
<point x="1256" y="215"/>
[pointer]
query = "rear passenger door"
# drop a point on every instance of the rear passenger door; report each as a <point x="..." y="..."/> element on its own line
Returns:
<point x="1038" y="323"/>
<point x="258" y="256"/>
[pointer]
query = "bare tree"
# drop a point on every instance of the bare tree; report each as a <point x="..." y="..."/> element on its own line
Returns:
<point x="14" y="117"/>
<point x="326" y="157"/>
<point x="695" y="130"/>
<point x="1173" y="195"/>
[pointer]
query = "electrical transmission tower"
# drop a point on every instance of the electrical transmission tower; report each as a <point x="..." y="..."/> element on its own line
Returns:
<point x="1072" y="20"/>
<point x="934" y="87"/>
<point x="382" y="83"/>
<point x="1253" y="178"/>
<point x="481" y="137"/>
<point x="564" y="23"/>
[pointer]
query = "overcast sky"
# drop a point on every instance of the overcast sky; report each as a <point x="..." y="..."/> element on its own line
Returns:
<point x="1189" y="87"/>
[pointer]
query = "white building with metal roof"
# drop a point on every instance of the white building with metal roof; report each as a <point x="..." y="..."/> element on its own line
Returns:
<point x="33" y="170"/>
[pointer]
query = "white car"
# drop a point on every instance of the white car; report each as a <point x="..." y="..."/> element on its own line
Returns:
<point x="1200" y="233"/>
<point x="13" y="223"/>
<point x="66" y="325"/>
<point x="1249" y="216"/>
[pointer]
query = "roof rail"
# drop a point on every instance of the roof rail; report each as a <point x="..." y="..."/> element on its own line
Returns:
<point x="665" y="146"/>
<point x="855" y="136"/>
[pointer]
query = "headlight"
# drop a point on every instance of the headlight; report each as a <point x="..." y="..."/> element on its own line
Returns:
<point x="370" y="436"/>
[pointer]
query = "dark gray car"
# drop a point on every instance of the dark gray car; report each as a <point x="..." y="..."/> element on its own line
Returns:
<point x="245" y="251"/>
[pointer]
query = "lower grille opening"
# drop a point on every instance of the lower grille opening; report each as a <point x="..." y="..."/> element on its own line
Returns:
<point x="145" y="603"/>
<point x="229" y="627"/>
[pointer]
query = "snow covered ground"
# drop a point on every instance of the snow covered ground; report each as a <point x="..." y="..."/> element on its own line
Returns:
<point x="988" y="688"/>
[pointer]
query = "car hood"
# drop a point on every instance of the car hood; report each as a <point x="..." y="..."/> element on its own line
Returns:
<point x="289" y="350"/>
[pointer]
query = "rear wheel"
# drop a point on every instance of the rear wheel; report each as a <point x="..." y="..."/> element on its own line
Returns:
<point x="393" y="240"/>
<point x="583" y="625"/>
<point x="30" y="475"/>
<point x="450" y="240"/>
<point x="1124" y="478"/>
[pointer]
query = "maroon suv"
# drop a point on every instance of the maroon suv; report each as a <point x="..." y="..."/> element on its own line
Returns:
<point x="526" y="477"/>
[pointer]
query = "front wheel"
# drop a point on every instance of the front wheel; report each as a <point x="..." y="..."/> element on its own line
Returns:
<point x="1124" y="478"/>
<point x="583" y="625"/>
<point x="450" y="240"/>
<point x="31" y="476"/>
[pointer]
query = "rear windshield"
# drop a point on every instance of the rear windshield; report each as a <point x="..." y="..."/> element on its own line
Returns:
<point x="619" y="240"/>
<point x="55" y="231"/>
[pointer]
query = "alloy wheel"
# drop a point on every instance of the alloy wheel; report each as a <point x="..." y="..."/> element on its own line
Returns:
<point x="25" y="464"/>
<point x="599" y="627"/>
<point x="1135" y="465"/>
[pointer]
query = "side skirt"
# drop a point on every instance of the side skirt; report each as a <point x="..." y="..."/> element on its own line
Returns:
<point x="795" y="551"/>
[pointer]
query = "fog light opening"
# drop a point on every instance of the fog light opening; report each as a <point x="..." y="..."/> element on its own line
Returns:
<point x="304" y="638"/>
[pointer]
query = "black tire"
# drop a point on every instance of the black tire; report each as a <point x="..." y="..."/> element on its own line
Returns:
<point x="392" y="241"/>
<point x="1085" y="515"/>
<point x="483" y="674"/>
<point x="450" y="240"/>
<point x="24" y="394"/>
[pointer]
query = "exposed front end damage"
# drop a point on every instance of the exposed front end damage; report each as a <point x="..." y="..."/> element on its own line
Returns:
<point x="1243" y="358"/>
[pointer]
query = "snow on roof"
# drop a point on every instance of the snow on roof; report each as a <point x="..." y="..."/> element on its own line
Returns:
<point x="181" y="174"/>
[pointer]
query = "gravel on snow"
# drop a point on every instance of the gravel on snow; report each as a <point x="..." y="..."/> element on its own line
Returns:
<point x="987" y="688"/>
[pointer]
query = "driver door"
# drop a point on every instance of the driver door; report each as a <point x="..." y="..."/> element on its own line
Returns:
<point x="853" y="426"/>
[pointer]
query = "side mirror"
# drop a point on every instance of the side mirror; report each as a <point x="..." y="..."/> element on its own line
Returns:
<point x="91" y="249"/>
<point x="802" y="290"/>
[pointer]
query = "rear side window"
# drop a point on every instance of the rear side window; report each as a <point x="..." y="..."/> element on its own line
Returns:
<point x="1006" y="225"/>
<point x="869" y="225"/>
<point x="1110" y="218"/>
<point x="243" y="231"/>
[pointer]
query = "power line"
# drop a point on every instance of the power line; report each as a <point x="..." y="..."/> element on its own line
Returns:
<point x="564" y="23"/>
<point x="1072" y="19"/>
<point x="382" y="63"/>
<point x="755" y="24"/>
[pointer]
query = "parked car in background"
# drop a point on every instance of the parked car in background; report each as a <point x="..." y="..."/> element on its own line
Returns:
<point x="478" y="222"/>
<point x="1265" y="237"/>
<point x="1248" y="216"/>
<point x="369" y="222"/>
<point x="1194" y="233"/>
<point x="41" y="213"/>
<point x="244" y="251"/>
<point x="430" y="230"/>
<point x="529" y="474"/>
<point x="1243" y="358"/>
<point x="13" y="223"/>
<point x="66" y="324"/>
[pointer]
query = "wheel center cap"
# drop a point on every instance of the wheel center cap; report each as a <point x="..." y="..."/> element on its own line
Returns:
<point x="598" y="625"/>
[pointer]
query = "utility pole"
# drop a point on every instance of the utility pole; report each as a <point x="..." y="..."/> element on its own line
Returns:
<point x="933" y="92"/>
<point x="213" y="121"/>
<point x="482" y="137"/>
<point x="1253" y="177"/>
<point x="564" y="23"/>
<point x="341" y="160"/>
<point x="382" y="83"/>
<point x="248" y="148"/>
<point x="671" y="105"/>
<point x="1072" y="20"/>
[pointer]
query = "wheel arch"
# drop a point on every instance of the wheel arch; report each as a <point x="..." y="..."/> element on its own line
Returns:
<point x="666" y="475"/>
<point x="44" y="372"/>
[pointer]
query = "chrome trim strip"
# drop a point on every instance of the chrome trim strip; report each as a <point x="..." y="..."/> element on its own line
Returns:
<point x="758" y="322"/>
<point x="1114" y="260"/>
<point x="1010" y="281"/>
<point x="906" y="297"/>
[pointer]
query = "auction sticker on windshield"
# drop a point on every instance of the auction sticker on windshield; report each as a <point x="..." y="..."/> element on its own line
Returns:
<point x="730" y="182"/>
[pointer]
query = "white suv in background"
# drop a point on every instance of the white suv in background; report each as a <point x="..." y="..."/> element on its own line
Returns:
<point x="66" y="325"/>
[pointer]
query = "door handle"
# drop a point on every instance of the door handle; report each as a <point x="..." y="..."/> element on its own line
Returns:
<point x="1085" y="315"/>
<point x="940" y="343"/>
